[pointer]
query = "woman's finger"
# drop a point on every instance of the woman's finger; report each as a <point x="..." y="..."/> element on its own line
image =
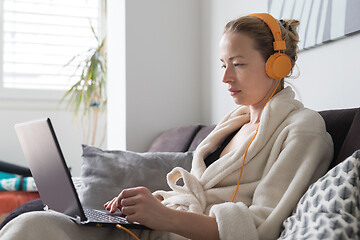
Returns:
<point x="128" y="202"/>
<point x="129" y="192"/>
<point x="109" y="202"/>
<point x="115" y="205"/>
<point x="130" y="210"/>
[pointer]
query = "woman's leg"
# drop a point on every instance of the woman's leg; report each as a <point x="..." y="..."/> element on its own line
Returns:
<point x="56" y="226"/>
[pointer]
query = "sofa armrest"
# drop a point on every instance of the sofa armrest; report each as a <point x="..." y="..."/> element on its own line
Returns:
<point x="343" y="125"/>
<point x="352" y="140"/>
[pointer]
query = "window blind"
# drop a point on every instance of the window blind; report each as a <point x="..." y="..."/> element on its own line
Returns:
<point x="41" y="36"/>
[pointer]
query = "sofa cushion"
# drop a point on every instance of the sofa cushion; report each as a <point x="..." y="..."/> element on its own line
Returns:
<point x="106" y="173"/>
<point x="175" y="140"/>
<point x="200" y="135"/>
<point x="330" y="207"/>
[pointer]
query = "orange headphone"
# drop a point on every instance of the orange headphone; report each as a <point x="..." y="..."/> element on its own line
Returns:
<point x="278" y="65"/>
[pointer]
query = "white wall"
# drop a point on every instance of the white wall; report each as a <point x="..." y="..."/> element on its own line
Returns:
<point x="329" y="75"/>
<point x="116" y="74"/>
<point x="162" y="68"/>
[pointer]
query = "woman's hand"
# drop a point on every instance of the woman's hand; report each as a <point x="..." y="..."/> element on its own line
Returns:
<point x="139" y="205"/>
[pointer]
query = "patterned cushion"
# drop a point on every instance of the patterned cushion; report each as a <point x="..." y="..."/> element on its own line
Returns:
<point x="330" y="207"/>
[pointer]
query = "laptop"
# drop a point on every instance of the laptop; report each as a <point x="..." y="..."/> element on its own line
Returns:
<point x="53" y="179"/>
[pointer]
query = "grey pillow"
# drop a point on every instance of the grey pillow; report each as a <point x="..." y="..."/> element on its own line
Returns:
<point x="106" y="173"/>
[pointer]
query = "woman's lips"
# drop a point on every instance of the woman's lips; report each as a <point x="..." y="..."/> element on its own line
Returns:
<point x="234" y="92"/>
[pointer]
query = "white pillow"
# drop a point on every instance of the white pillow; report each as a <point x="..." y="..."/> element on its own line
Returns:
<point x="330" y="207"/>
<point x="106" y="173"/>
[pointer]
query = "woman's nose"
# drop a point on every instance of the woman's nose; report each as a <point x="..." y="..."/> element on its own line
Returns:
<point x="228" y="76"/>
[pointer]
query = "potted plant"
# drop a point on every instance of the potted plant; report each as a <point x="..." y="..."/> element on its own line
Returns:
<point x="88" y="94"/>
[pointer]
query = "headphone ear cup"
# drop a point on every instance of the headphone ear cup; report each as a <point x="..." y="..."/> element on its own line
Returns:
<point x="278" y="65"/>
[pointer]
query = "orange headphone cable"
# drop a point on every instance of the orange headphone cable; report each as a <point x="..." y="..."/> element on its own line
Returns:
<point x="247" y="148"/>
<point x="127" y="230"/>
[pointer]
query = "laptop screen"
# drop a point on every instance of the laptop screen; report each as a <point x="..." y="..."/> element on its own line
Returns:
<point x="48" y="167"/>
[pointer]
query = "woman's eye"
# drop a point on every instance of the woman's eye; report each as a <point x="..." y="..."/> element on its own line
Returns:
<point x="238" y="64"/>
<point x="223" y="66"/>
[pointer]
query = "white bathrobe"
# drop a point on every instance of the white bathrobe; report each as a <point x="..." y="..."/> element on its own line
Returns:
<point x="291" y="150"/>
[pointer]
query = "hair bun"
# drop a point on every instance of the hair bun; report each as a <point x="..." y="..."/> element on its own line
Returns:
<point x="290" y="25"/>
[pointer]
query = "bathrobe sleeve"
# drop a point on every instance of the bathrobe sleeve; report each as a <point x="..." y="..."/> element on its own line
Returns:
<point x="299" y="157"/>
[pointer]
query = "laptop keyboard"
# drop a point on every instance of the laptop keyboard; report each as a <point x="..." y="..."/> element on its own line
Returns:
<point x="104" y="216"/>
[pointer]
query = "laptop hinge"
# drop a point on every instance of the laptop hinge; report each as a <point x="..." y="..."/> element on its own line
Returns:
<point x="78" y="220"/>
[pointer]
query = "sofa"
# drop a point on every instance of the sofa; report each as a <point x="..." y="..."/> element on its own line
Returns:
<point x="14" y="179"/>
<point x="342" y="124"/>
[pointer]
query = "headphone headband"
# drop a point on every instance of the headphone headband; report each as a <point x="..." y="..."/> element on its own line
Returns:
<point x="279" y="44"/>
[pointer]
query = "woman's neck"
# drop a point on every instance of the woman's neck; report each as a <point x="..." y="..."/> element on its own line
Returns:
<point x="257" y="109"/>
<point x="255" y="115"/>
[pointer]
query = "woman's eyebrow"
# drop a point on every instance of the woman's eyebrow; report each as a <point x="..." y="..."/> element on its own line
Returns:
<point x="237" y="56"/>
<point x="233" y="57"/>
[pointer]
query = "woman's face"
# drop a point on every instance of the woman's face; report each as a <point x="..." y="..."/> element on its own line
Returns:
<point x="244" y="70"/>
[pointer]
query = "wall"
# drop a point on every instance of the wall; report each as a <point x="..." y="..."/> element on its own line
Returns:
<point x="162" y="69"/>
<point x="116" y="74"/>
<point x="329" y="77"/>
<point x="163" y="72"/>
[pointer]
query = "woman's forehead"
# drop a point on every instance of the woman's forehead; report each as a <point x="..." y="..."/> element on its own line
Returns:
<point x="236" y="45"/>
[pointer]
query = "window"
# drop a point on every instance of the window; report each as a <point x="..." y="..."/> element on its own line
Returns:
<point x="39" y="37"/>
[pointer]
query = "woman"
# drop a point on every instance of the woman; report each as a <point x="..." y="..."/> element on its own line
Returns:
<point x="291" y="149"/>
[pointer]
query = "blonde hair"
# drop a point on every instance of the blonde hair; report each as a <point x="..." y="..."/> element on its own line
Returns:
<point x="263" y="38"/>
